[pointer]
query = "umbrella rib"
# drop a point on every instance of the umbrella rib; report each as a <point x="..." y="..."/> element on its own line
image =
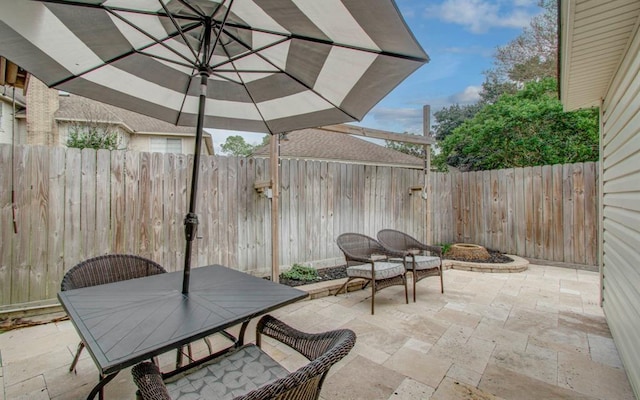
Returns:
<point x="124" y="9"/>
<point x="312" y="90"/>
<point x="251" y="51"/>
<point x="218" y="33"/>
<point x="253" y="101"/>
<point x="179" y="29"/>
<point x="156" y="41"/>
<point x="289" y="36"/>
<point x="189" y="6"/>
<point x="127" y="54"/>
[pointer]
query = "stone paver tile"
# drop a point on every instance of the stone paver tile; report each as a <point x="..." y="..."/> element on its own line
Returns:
<point x="450" y="389"/>
<point x="459" y="373"/>
<point x="421" y="367"/>
<point x="426" y="329"/>
<point x="580" y="373"/>
<point x="503" y="338"/>
<point x="473" y="354"/>
<point x="588" y="276"/>
<point x="511" y="288"/>
<point x="370" y="352"/>
<point x="530" y="322"/>
<point x="1" y="388"/>
<point x="561" y="273"/>
<point x="603" y="350"/>
<point x="562" y="339"/>
<point x="361" y="379"/>
<point x="580" y="287"/>
<point x="22" y="369"/>
<point x="542" y="281"/>
<point x="41" y="342"/>
<point x="489" y="313"/>
<point x="457" y="317"/>
<point x="121" y="387"/>
<point x="426" y="304"/>
<point x="511" y="385"/>
<point x="455" y="335"/>
<point x="535" y="365"/>
<point x="503" y="300"/>
<point x="412" y="390"/>
<point x="34" y="388"/>
<point x="584" y="323"/>
<point x="571" y="302"/>
<point x="387" y="340"/>
<point x="452" y="295"/>
<point x="60" y="380"/>
<point x="74" y="393"/>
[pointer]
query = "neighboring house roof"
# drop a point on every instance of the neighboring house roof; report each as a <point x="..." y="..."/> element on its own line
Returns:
<point x="76" y="108"/>
<point x="317" y="144"/>
<point x="594" y="37"/>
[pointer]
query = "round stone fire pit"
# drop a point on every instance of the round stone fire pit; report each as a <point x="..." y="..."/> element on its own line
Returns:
<point x="467" y="251"/>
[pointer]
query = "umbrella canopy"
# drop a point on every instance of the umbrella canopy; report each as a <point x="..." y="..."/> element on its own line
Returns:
<point x="254" y="65"/>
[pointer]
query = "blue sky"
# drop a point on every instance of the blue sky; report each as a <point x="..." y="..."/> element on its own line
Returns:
<point x="460" y="37"/>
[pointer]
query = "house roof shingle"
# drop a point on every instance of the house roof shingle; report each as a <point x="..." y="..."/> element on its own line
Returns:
<point x="78" y="108"/>
<point x="319" y="144"/>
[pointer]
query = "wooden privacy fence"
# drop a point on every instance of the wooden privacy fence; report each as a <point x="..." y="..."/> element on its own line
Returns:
<point x="546" y="212"/>
<point x="72" y="205"/>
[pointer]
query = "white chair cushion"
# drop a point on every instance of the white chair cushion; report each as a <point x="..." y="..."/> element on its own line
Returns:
<point x="384" y="270"/>
<point x="244" y="370"/>
<point x="422" y="262"/>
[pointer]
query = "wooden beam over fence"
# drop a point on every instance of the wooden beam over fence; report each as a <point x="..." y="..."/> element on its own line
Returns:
<point x="378" y="134"/>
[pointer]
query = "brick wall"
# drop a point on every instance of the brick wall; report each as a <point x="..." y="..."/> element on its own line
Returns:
<point x="42" y="105"/>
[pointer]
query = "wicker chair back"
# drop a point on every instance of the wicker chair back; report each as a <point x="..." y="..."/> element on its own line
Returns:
<point x="108" y="269"/>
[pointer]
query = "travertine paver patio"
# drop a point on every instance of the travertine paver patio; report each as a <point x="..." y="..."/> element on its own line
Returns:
<point x="538" y="334"/>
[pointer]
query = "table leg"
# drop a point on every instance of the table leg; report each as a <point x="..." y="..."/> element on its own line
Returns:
<point x="99" y="388"/>
<point x="243" y="329"/>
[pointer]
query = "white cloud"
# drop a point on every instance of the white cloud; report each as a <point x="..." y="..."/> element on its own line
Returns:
<point x="479" y="16"/>
<point x="399" y="120"/>
<point x="471" y="94"/>
<point x="410" y="120"/>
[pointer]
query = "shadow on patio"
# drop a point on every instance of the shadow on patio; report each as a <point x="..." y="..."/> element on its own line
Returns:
<point x="537" y="334"/>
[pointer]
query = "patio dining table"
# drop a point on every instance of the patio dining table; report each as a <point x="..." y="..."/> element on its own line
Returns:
<point x="127" y="322"/>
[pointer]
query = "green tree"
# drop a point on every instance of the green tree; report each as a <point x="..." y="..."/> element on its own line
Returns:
<point x="523" y="129"/>
<point x="449" y="118"/>
<point x="533" y="54"/>
<point x="237" y="146"/>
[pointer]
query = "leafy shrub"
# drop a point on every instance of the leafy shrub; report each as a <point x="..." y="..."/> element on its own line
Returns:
<point x="301" y="273"/>
<point x="445" y="248"/>
<point x="92" y="138"/>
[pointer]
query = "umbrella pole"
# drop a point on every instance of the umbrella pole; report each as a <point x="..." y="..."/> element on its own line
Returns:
<point x="191" y="219"/>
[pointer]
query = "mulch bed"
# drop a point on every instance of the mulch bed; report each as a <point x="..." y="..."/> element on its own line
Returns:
<point x="338" y="272"/>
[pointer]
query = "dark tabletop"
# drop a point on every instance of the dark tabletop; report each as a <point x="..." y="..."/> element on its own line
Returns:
<point x="126" y="322"/>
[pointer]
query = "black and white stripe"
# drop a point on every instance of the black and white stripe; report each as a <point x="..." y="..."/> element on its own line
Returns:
<point x="279" y="65"/>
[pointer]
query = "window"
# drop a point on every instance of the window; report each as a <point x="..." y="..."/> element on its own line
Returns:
<point x="166" y="145"/>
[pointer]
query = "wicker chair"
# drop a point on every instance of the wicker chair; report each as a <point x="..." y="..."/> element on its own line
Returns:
<point x="108" y="269"/>
<point x="369" y="260"/>
<point x="249" y="373"/>
<point x="413" y="252"/>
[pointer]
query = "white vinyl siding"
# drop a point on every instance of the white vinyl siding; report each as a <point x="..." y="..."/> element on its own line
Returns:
<point x="165" y="145"/>
<point x="620" y="158"/>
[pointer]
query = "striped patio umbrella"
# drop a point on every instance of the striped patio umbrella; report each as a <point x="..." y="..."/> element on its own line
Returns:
<point x="253" y="65"/>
